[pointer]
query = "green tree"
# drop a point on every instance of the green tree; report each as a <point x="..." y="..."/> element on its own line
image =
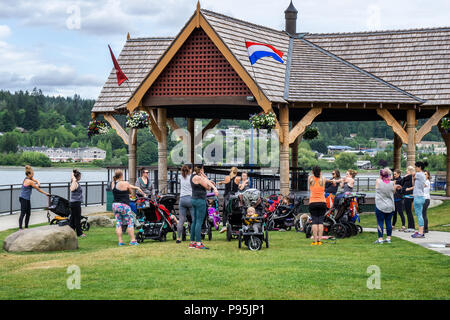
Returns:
<point x="346" y="160"/>
<point x="34" y="159"/>
<point x="74" y="145"/>
<point x="8" y="143"/>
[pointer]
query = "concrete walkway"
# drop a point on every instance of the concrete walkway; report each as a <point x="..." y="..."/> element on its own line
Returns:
<point x="434" y="240"/>
<point x="11" y="221"/>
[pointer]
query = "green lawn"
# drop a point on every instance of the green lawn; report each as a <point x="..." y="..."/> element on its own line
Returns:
<point x="290" y="269"/>
<point x="438" y="217"/>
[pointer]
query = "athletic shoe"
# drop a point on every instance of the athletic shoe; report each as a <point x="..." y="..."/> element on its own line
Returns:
<point x="202" y="246"/>
<point x="314" y="244"/>
<point x="121" y="244"/>
<point x="223" y="230"/>
<point x="319" y="243"/>
<point x="191" y="245"/>
<point x="133" y="243"/>
<point x="418" y="235"/>
<point x="178" y="241"/>
<point x="409" y="230"/>
<point x="378" y="242"/>
<point x="387" y="241"/>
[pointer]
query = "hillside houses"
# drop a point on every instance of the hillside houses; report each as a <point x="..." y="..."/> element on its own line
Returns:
<point x="69" y="154"/>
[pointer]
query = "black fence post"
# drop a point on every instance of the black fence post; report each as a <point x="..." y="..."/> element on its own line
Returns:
<point x="68" y="191"/>
<point x="86" y="202"/>
<point x="103" y="192"/>
<point x="50" y="188"/>
<point x="11" y="201"/>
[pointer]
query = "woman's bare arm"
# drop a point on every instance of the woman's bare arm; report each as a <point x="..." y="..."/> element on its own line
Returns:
<point x="33" y="184"/>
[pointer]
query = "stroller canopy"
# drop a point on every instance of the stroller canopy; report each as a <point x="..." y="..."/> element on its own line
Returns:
<point x="251" y="197"/>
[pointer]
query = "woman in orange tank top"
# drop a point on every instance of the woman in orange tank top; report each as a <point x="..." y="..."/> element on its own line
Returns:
<point x="317" y="204"/>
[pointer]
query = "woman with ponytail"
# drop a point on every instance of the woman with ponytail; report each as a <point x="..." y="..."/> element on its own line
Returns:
<point x="121" y="206"/>
<point x="384" y="203"/>
<point x="25" y="196"/>
<point x="76" y="198"/>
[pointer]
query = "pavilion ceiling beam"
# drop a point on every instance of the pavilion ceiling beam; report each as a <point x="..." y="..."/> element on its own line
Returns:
<point x="173" y="125"/>
<point x="153" y="125"/>
<point x="433" y="121"/>
<point x="392" y="122"/>
<point x="116" y="126"/>
<point x="301" y="126"/>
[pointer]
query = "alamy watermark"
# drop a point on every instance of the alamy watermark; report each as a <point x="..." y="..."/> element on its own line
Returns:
<point x="74" y="280"/>
<point x="374" y="280"/>
<point x="73" y="22"/>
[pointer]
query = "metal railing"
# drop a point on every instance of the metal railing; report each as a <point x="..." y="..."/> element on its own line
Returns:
<point x="94" y="193"/>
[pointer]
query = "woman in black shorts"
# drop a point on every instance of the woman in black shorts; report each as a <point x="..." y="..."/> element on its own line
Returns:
<point x="317" y="204"/>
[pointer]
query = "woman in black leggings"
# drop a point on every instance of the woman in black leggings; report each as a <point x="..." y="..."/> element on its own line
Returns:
<point x="76" y="198"/>
<point x="408" y="198"/>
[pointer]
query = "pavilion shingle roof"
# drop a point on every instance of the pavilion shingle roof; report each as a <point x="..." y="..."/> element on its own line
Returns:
<point x="318" y="76"/>
<point x="137" y="59"/>
<point x="417" y="61"/>
<point x="409" y="66"/>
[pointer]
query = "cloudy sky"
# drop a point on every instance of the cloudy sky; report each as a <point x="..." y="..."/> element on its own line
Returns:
<point x="61" y="46"/>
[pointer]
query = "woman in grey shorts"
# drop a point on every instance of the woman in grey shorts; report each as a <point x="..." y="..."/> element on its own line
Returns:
<point x="185" y="203"/>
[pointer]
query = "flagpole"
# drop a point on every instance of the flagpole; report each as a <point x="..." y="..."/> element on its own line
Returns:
<point x="254" y="73"/>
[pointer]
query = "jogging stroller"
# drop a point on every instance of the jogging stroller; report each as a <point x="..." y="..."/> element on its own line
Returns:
<point x="61" y="208"/>
<point x="284" y="216"/>
<point x="155" y="220"/>
<point x="213" y="210"/>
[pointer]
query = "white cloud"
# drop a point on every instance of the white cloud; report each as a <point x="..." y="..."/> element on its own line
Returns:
<point x="5" y="31"/>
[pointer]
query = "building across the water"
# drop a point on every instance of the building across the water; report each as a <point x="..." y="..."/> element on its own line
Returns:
<point x="69" y="154"/>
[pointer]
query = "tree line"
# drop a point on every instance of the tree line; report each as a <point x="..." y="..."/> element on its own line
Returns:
<point x="62" y="122"/>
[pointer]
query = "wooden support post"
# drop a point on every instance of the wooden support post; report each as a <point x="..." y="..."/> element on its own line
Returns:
<point x="116" y="126"/>
<point x="411" y="132"/>
<point x="191" y="139"/>
<point x="434" y="120"/>
<point x="397" y="152"/>
<point x="284" y="150"/>
<point x="294" y="150"/>
<point x="132" y="157"/>
<point x="300" y="127"/>
<point x="162" y="151"/>
<point x="392" y="122"/>
<point x="446" y="136"/>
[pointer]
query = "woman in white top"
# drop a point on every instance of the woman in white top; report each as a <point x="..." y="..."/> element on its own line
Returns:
<point x="426" y="192"/>
<point x="185" y="204"/>
<point x="384" y="203"/>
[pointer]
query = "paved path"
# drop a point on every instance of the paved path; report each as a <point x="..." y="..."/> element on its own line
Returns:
<point x="434" y="240"/>
<point x="11" y="221"/>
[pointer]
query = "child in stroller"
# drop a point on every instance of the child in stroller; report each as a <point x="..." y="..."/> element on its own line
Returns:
<point x="253" y="231"/>
<point x="213" y="210"/>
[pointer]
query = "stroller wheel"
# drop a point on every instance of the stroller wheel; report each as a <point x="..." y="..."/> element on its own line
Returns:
<point x="338" y="231"/>
<point x="354" y="228"/>
<point x="267" y="238"/>
<point x="140" y="237"/>
<point x="308" y="231"/>
<point x="229" y="235"/>
<point x="54" y="221"/>
<point x="209" y="234"/>
<point x="288" y="228"/>
<point x="85" y="226"/>
<point x="183" y="235"/>
<point x="163" y="237"/>
<point x="174" y="235"/>
<point x="360" y="229"/>
<point x="254" y="243"/>
<point x="240" y="239"/>
<point x="348" y="229"/>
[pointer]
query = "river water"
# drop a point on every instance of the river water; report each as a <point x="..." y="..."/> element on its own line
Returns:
<point x="15" y="175"/>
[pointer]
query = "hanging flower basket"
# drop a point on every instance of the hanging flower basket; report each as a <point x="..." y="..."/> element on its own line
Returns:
<point x="445" y="123"/>
<point x="97" y="127"/>
<point x="310" y="133"/>
<point x="138" y="120"/>
<point x="263" y="120"/>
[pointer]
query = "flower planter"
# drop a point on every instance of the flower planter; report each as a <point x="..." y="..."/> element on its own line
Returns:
<point x="97" y="127"/>
<point x="138" y="120"/>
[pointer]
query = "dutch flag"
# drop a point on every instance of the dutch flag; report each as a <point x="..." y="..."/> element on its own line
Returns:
<point x="257" y="51"/>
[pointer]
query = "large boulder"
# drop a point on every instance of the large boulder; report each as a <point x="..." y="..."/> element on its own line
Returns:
<point x="46" y="238"/>
<point x="100" y="221"/>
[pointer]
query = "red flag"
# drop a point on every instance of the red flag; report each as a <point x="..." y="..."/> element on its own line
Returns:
<point x="121" y="77"/>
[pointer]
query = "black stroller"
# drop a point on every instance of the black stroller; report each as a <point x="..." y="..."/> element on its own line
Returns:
<point x="284" y="216"/>
<point x="237" y="226"/>
<point x="61" y="208"/>
<point x="168" y="201"/>
<point x="155" y="221"/>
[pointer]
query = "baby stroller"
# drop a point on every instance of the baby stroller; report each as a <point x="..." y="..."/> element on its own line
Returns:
<point x="168" y="201"/>
<point x="213" y="210"/>
<point x="61" y="208"/>
<point x="284" y="216"/>
<point x="155" y="220"/>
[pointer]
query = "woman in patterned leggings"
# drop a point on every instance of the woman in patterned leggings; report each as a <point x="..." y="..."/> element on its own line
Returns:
<point x="121" y="206"/>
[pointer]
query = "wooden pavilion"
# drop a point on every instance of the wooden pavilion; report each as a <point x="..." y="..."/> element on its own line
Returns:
<point x="204" y="73"/>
